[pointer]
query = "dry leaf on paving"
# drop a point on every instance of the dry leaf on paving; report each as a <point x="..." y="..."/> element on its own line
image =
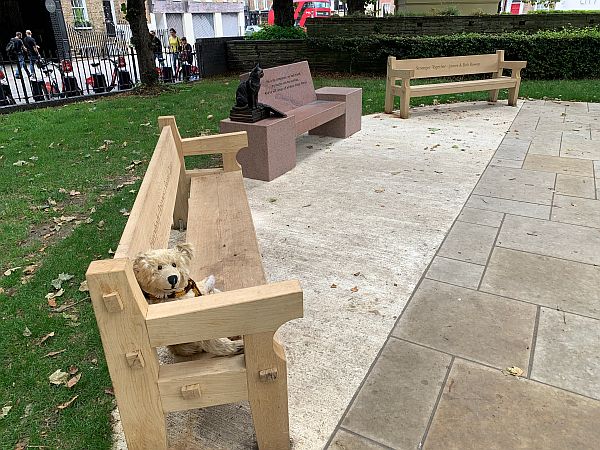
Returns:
<point x="514" y="371"/>
<point x="5" y="410"/>
<point x="333" y="286"/>
<point x="52" y="354"/>
<point x="58" y="377"/>
<point x="379" y="191"/>
<point x="354" y="289"/>
<point x="45" y="338"/>
<point x="73" y="381"/>
<point x="83" y="287"/>
<point x="26" y="332"/>
<point x="356" y="274"/>
<point x="67" y="404"/>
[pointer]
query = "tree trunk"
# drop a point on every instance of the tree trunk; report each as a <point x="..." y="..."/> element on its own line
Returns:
<point x="284" y="13"/>
<point x="356" y="6"/>
<point x="140" y="38"/>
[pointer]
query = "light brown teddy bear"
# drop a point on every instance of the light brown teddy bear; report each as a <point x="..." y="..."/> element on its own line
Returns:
<point x="164" y="275"/>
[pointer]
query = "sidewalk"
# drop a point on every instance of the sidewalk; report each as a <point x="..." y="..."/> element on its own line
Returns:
<point x="516" y="282"/>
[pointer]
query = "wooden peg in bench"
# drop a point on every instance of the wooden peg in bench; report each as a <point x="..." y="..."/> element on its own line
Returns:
<point x="268" y="375"/>
<point x="113" y="302"/>
<point x="135" y="360"/>
<point x="191" y="391"/>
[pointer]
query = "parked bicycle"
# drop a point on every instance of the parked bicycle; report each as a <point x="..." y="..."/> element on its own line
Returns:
<point x="120" y="74"/>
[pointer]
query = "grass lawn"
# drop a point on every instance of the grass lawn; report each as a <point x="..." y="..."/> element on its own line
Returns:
<point x="68" y="175"/>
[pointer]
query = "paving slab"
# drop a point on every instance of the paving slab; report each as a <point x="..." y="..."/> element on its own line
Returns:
<point x="556" y="164"/>
<point x="509" y="206"/>
<point x="578" y="211"/>
<point x="483" y="409"/>
<point x="455" y="272"/>
<point x="512" y="149"/>
<point x="561" y="240"/>
<point x="567" y="352"/>
<point x="469" y="242"/>
<point x="394" y="405"/>
<point x="467" y="323"/>
<point x="481" y="217"/>
<point x="516" y="184"/>
<point x="574" y="147"/>
<point x="344" y="440"/>
<point x="575" y="186"/>
<point x="546" y="143"/>
<point x="501" y="162"/>
<point x="543" y="280"/>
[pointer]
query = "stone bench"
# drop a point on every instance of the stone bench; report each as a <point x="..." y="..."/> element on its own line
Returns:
<point x="212" y="204"/>
<point x="410" y="69"/>
<point x="329" y="111"/>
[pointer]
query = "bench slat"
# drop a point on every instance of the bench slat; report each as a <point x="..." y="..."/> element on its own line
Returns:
<point x="449" y="66"/>
<point x="150" y="220"/>
<point x="316" y="113"/>
<point x="459" y="86"/>
<point x="221" y="229"/>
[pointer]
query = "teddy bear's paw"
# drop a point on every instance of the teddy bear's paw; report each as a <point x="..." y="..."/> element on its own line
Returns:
<point x="207" y="285"/>
<point x="189" y="349"/>
<point x="222" y="347"/>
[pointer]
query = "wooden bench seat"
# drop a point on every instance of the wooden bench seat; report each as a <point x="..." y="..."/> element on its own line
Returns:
<point x="329" y="111"/>
<point x="408" y="69"/>
<point x="213" y="205"/>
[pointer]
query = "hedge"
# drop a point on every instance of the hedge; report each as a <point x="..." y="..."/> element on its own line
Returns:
<point x="566" y="54"/>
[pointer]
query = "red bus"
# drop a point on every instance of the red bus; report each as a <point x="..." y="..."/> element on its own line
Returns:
<point x="304" y="9"/>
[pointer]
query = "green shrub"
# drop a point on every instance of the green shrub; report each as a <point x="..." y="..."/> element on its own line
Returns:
<point x="275" y="32"/>
<point x="566" y="54"/>
<point x="449" y="11"/>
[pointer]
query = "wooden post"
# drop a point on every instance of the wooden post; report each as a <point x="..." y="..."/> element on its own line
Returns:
<point x="498" y="74"/>
<point x="180" y="212"/>
<point x="266" y="372"/>
<point x="405" y="98"/>
<point x="121" y="310"/>
<point x="390" y="81"/>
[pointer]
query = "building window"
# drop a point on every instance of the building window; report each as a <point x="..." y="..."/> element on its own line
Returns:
<point x="80" y="14"/>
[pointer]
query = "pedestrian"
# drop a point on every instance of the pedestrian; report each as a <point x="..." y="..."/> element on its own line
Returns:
<point x="174" y="46"/>
<point x="16" y="47"/>
<point x="33" y="50"/>
<point x="156" y="46"/>
<point x="186" y="58"/>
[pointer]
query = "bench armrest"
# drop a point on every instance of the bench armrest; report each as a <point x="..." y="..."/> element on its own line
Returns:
<point x="515" y="66"/>
<point x="218" y="143"/>
<point x="402" y="73"/>
<point x="243" y="311"/>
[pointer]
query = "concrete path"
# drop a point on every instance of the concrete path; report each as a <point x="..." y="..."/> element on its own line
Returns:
<point x="515" y="284"/>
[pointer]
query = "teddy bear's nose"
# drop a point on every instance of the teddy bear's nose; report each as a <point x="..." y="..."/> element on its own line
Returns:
<point x="172" y="280"/>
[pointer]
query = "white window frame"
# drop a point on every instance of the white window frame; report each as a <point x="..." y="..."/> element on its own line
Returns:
<point x="80" y="5"/>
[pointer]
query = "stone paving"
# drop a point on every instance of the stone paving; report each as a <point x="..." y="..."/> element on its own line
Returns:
<point x="516" y="282"/>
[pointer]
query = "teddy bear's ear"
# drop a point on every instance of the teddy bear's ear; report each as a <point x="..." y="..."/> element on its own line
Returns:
<point x="186" y="248"/>
<point x="139" y="262"/>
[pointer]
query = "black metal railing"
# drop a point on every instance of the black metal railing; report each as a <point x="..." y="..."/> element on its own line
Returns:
<point x="96" y="66"/>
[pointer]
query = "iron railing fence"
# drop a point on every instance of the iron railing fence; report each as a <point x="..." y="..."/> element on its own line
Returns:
<point x="94" y="70"/>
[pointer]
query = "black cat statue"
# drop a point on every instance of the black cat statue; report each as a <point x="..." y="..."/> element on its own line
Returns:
<point x="247" y="108"/>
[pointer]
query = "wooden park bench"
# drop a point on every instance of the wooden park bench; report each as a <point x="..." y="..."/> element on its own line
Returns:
<point x="409" y="69"/>
<point x="212" y="203"/>
<point x="329" y="111"/>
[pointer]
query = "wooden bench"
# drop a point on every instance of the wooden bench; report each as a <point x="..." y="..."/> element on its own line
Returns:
<point x="409" y="69"/>
<point x="329" y="111"/>
<point x="213" y="205"/>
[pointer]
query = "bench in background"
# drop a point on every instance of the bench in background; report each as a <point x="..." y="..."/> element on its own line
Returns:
<point x="329" y="111"/>
<point x="410" y="69"/>
<point x="213" y="205"/>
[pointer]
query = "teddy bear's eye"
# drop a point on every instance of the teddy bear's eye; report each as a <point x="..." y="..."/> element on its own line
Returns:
<point x="159" y="267"/>
<point x="174" y="265"/>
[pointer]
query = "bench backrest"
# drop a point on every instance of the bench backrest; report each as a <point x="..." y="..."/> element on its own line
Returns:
<point x="452" y="65"/>
<point x="151" y="217"/>
<point x="287" y="87"/>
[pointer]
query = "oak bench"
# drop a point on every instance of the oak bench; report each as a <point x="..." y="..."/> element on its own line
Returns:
<point x="213" y="206"/>
<point x="410" y="69"/>
<point x="329" y="111"/>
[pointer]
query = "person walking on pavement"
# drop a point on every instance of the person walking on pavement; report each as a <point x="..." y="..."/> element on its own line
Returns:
<point x="16" y="46"/>
<point x="174" y="46"/>
<point x="33" y="50"/>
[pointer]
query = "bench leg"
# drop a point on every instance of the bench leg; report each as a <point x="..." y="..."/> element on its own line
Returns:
<point x="266" y="371"/>
<point x="404" y="105"/>
<point x="494" y="95"/>
<point x="389" y="95"/>
<point x="347" y="124"/>
<point x="513" y="94"/>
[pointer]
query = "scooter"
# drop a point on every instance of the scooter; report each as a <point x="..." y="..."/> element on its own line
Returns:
<point x="6" y="97"/>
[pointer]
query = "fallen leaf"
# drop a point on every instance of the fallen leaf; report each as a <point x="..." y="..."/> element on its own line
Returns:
<point x="52" y="354"/>
<point x="58" y="377"/>
<point x="101" y="224"/>
<point x="67" y="404"/>
<point x="20" y="163"/>
<point x="272" y="200"/>
<point x="124" y="212"/>
<point x="27" y="411"/>
<point x="514" y="371"/>
<point x="73" y="370"/>
<point x="147" y="124"/>
<point x="209" y="117"/>
<point x="356" y="274"/>
<point x="111" y="251"/>
<point x="109" y="391"/>
<point x="59" y="293"/>
<point x="379" y="191"/>
<point x="8" y="272"/>
<point x="26" y="332"/>
<point x="333" y="286"/>
<point x="74" y="193"/>
<point x="46" y="337"/>
<point x="29" y="270"/>
<point x="5" y="411"/>
<point x="57" y="283"/>
<point x="73" y="381"/>
<point x="354" y="289"/>
<point x="52" y="302"/>
<point x="71" y="317"/>
<point x="83" y="287"/>
<point x="67" y="218"/>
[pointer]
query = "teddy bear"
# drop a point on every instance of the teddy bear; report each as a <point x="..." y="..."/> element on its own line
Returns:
<point x="164" y="275"/>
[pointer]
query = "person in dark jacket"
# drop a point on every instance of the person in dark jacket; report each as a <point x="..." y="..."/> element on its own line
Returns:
<point x="33" y="50"/>
<point x="157" y="49"/>
<point x="186" y="58"/>
<point x="18" y="48"/>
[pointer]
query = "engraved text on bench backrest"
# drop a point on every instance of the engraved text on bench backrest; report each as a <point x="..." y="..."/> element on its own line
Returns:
<point x="287" y="87"/>
<point x="151" y="217"/>
<point x="449" y="66"/>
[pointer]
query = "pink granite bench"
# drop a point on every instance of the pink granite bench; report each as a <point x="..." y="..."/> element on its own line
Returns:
<point x="329" y="111"/>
